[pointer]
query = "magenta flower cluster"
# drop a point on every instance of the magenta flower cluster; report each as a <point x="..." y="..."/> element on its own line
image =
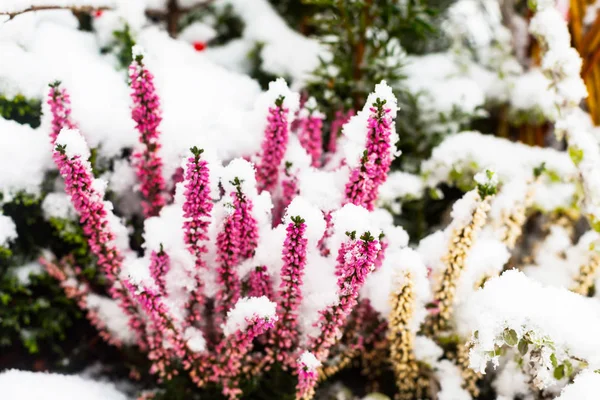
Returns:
<point x="365" y="179"/>
<point x="60" y="108"/>
<point x="147" y="116"/>
<point x="221" y="230"/>
<point x="273" y="146"/>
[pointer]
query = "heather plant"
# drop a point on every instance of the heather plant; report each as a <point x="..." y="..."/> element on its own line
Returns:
<point x="205" y="234"/>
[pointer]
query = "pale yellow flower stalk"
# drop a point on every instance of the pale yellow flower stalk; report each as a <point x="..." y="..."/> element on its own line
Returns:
<point x="512" y="220"/>
<point x="470" y="376"/>
<point x="461" y="241"/>
<point x="587" y="274"/>
<point x="409" y="380"/>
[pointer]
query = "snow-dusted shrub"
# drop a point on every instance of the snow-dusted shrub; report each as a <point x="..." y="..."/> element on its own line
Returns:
<point x="231" y="242"/>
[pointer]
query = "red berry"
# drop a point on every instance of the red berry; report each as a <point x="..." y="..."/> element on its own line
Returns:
<point x="199" y="46"/>
<point x="98" y="13"/>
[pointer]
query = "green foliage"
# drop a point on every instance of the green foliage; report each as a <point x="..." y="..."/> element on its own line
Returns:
<point x="256" y="71"/>
<point x="35" y="314"/>
<point x="21" y="109"/>
<point x="223" y="19"/>
<point x="121" y="46"/>
<point x="363" y="50"/>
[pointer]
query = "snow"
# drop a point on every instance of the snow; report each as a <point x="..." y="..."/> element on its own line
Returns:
<point x="194" y="338"/>
<point x="319" y="290"/>
<point x="58" y="205"/>
<point x="244" y="171"/>
<point x="74" y="143"/>
<point x="24" y="272"/>
<point x="309" y="361"/>
<point x="109" y="312"/>
<point x="8" y="230"/>
<point x="467" y="153"/>
<point x="314" y="220"/>
<point x="197" y="32"/>
<point x="285" y="52"/>
<point x="324" y="189"/>
<point x="442" y="87"/>
<point x="451" y="381"/>
<point x="24" y="158"/>
<point x="585" y="387"/>
<point x="570" y="321"/>
<point x="246" y="309"/>
<point x="25" y="385"/>
<point x="463" y="209"/>
<point x="400" y="185"/>
<point x="426" y="350"/>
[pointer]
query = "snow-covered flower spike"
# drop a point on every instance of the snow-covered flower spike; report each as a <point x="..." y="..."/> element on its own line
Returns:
<point x="338" y="122"/>
<point x="71" y="157"/>
<point x="371" y="146"/>
<point x="410" y="383"/>
<point x="260" y="283"/>
<point x="308" y="366"/>
<point x="197" y="208"/>
<point x="159" y="266"/>
<point x="60" y="107"/>
<point x="310" y="131"/>
<point x="147" y="115"/>
<point x="238" y="237"/>
<point x="251" y="317"/>
<point x="285" y="337"/>
<point x="282" y="105"/>
<point x="468" y="217"/>
<point x="141" y="284"/>
<point x="357" y="260"/>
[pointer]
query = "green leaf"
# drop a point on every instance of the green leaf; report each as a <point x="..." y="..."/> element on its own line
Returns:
<point x="553" y="360"/>
<point x="510" y="337"/>
<point x="523" y="347"/>
<point x="559" y="372"/>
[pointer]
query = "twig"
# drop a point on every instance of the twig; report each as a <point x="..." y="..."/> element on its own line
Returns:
<point x="74" y="9"/>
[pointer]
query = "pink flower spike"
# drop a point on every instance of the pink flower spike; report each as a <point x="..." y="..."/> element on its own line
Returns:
<point x="358" y="260"/>
<point x="285" y="337"/>
<point x="147" y="115"/>
<point x="159" y="266"/>
<point x="251" y="317"/>
<point x="274" y="146"/>
<point x="310" y="131"/>
<point x="360" y="186"/>
<point x="260" y="283"/>
<point x="308" y="375"/>
<point x="339" y="120"/>
<point x="70" y="155"/>
<point x="197" y="209"/>
<point x="60" y="107"/>
<point x="374" y="164"/>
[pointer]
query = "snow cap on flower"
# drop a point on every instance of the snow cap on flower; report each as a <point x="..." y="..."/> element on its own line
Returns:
<point x="194" y="339"/>
<point x="244" y="172"/>
<point x="137" y="51"/>
<point x="309" y="361"/>
<point x="277" y="89"/>
<point x="313" y="217"/>
<point x="351" y="218"/>
<point x="74" y="142"/>
<point x="247" y="308"/>
<point x="355" y="131"/>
